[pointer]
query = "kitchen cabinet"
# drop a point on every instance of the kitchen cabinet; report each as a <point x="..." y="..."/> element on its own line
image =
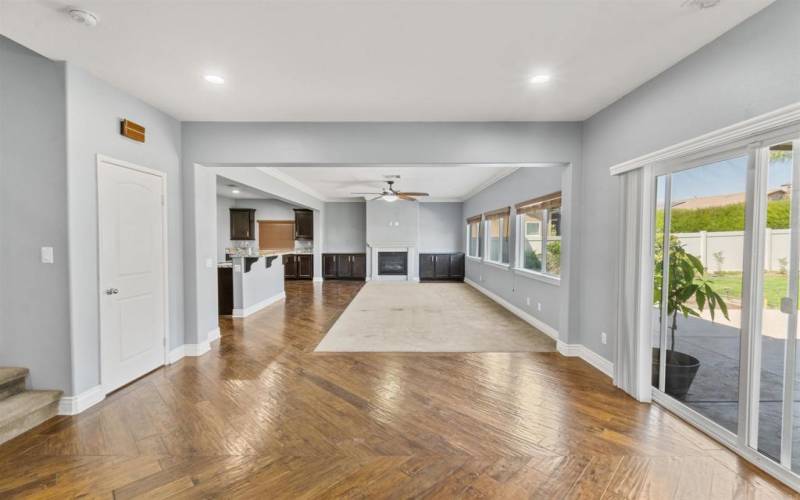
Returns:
<point x="441" y="266"/>
<point x="298" y="266"/>
<point x="303" y="224"/>
<point x="344" y="266"/>
<point x="243" y="222"/>
<point x="225" y="290"/>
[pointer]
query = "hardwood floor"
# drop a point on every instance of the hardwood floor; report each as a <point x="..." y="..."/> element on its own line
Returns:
<point x="262" y="416"/>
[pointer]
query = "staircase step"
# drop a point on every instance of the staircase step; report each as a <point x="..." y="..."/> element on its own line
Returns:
<point x="12" y="381"/>
<point x="25" y="410"/>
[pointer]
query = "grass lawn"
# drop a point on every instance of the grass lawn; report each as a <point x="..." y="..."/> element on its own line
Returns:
<point x="729" y="285"/>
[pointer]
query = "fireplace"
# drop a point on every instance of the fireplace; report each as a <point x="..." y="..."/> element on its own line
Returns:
<point x="393" y="263"/>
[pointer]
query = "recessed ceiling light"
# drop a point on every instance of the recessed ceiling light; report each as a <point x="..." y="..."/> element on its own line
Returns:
<point x="84" y="17"/>
<point x="236" y="191"/>
<point x="215" y="79"/>
<point x="544" y="78"/>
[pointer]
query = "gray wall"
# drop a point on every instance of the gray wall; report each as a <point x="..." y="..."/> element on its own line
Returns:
<point x="750" y="70"/>
<point x="441" y="227"/>
<point x="524" y="184"/>
<point x="223" y="225"/>
<point x="34" y="297"/>
<point x="94" y="109"/>
<point x="392" y="222"/>
<point x="345" y="227"/>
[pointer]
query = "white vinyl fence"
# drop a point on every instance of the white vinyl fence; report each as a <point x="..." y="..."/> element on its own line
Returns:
<point x="723" y="251"/>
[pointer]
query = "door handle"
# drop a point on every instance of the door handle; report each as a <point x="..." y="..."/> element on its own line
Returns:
<point x="112" y="291"/>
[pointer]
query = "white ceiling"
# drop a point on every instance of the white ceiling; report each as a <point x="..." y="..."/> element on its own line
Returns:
<point x="225" y="189"/>
<point x="374" y="61"/>
<point x="443" y="183"/>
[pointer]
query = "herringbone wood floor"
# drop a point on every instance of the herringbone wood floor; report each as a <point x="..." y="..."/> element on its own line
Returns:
<point x="262" y="416"/>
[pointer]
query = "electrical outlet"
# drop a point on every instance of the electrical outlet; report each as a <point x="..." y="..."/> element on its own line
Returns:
<point x="47" y="255"/>
<point x="480" y="277"/>
<point x="528" y="300"/>
<point x="603" y="337"/>
<point x="539" y="306"/>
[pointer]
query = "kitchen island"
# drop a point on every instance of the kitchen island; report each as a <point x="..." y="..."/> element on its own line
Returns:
<point x="249" y="283"/>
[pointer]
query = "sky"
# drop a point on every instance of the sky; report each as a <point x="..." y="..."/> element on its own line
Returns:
<point x="723" y="177"/>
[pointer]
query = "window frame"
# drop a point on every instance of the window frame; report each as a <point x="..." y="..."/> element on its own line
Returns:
<point x="503" y="214"/>
<point x="468" y="229"/>
<point x="521" y="231"/>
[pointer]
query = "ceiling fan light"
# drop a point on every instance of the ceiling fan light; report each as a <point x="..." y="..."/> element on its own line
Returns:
<point x="390" y="197"/>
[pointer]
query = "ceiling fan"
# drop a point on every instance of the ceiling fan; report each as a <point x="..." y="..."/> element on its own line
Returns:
<point x="390" y="194"/>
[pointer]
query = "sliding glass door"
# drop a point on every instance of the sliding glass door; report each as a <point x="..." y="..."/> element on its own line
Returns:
<point x="698" y="286"/>
<point x="724" y="316"/>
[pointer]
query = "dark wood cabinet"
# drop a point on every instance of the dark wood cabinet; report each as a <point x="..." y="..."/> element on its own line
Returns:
<point x="298" y="267"/>
<point x="329" y="266"/>
<point x="303" y="224"/>
<point x="243" y="221"/>
<point x="225" y="290"/>
<point x="441" y="266"/>
<point x="344" y="266"/>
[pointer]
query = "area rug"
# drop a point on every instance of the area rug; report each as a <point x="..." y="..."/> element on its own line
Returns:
<point x="429" y="317"/>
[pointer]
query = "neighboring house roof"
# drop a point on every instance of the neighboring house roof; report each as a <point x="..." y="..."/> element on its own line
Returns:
<point x="722" y="200"/>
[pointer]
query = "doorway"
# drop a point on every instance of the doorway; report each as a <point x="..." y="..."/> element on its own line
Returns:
<point x="723" y="324"/>
<point x="132" y="271"/>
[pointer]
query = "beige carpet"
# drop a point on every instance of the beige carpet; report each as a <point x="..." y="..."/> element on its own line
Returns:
<point x="429" y="317"/>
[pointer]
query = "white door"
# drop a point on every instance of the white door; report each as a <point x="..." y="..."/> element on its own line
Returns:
<point x="132" y="310"/>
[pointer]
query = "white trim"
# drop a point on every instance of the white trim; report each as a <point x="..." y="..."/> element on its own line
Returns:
<point x="72" y="405"/>
<point x="726" y="438"/>
<point x="99" y="160"/>
<point x="318" y="279"/>
<point x="516" y="311"/>
<point x="586" y="354"/>
<point x="499" y="265"/>
<point x="488" y="182"/>
<point x="213" y="334"/>
<point x="247" y="311"/>
<point x="782" y="117"/>
<point x="288" y="179"/>
<point x="190" y="350"/>
<point x="475" y="259"/>
<point x="545" y="278"/>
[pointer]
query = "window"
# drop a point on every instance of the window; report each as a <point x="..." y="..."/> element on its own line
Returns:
<point x="497" y="232"/>
<point x="540" y="248"/>
<point x="474" y="236"/>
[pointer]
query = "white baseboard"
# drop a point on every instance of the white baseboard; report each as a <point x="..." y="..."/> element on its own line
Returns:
<point x="243" y="313"/>
<point x="188" y="350"/>
<point x="570" y="350"/>
<point x="318" y="279"/>
<point x="72" y="405"/>
<point x="586" y="354"/>
<point x="524" y="316"/>
<point x="213" y="334"/>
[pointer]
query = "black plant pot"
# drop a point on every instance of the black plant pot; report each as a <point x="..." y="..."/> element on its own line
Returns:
<point x="681" y="369"/>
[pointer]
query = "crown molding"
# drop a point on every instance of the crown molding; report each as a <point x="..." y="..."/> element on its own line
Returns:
<point x="750" y="128"/>
<point x="488" y="182"/>
<point x="288" y="179"/>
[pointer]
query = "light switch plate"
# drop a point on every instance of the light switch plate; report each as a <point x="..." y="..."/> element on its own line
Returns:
<point x="47" y="255"/>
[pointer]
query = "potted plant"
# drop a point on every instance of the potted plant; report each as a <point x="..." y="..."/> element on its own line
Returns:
<point x="690" y="292"/>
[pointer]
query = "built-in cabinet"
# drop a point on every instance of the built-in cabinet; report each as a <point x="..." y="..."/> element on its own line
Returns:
<point x="303" y="224"/>
<point x="441" y="266"/>
<point x="243" y="221"/>
<point x="298" y="266"/>
<point x="225" y="290"/>
<point x="344" y="266"/>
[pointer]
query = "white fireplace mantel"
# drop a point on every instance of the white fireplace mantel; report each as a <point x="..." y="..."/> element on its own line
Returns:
<point x="411" y="252"/>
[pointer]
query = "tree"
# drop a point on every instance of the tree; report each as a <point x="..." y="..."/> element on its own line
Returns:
<point x="687" y="280"/>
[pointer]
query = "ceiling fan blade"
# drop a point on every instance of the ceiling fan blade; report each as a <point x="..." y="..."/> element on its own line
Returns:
<point x="364" y="194"/>
<point x="377" y="197"/>
<point x="404" y="196"/>
<point x="410" y="193"/>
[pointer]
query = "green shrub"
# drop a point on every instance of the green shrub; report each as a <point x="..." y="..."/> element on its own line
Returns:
<point x="724" y="218"/>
